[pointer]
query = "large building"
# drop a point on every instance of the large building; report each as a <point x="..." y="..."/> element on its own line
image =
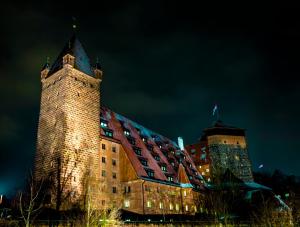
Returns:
<point x="90" y="153"/>
<point x="220" y="148"/>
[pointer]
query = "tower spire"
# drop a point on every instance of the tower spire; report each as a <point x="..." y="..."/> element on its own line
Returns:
<point x="74" y="24"/>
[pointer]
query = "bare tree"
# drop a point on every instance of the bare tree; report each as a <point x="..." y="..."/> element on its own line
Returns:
<point x="31" y="201"/>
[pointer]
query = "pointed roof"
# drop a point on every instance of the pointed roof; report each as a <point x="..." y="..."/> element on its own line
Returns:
<point x="74" y="48"/>
<point x="219" y="128"/>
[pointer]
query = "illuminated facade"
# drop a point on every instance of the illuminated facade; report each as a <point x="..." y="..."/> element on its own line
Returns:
<point x="222" y="147"/>
<point x="86" y="149"/>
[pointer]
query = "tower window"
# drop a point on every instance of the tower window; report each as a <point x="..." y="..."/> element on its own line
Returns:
<point x="171" y="206"/>
<point x="114" y="189"/>
<point x="114" y="175"/>
<point x="157" y="158"/>
<point x="103" y="159"/>
<point x="103" y="202"/>
<point x="103" y="173"/>
<point x="114" y="162"/>
<point x="103" y="146"/>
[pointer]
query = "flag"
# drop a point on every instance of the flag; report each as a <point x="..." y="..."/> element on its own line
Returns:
<point x="215" y="109"/>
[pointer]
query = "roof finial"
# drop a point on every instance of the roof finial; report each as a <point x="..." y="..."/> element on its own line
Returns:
<point x="74" y="26"/>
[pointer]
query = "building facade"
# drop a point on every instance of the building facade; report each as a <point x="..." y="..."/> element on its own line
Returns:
<point x="89" y="153"/>
<point x="220" y="148"/>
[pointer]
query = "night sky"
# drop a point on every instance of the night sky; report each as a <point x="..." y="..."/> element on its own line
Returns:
<point x="165" y="65"/>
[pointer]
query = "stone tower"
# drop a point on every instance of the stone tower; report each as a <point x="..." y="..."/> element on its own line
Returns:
<point x="69" y="126"/>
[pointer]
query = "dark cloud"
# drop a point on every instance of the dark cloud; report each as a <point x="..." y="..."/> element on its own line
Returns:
<point x="165" y="65"/>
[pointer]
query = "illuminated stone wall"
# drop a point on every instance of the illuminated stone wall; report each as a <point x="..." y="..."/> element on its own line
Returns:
<point x="68" y="132"/>
<point x="230" y="152"/>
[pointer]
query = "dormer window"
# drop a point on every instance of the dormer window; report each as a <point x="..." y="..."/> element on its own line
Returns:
<point x="149" y="147"/>
<point x="156" y="157"/>
<point x="163" y="168"/>
<point x="150" y="172"/>
<point x="144" y="162"/>
<point x="144" y="139"/>
<point x="170" y="178"/>
<point x="126" y="132"/>
<point x="103" y="123"/>
<point x="108" y="133"/>
<point x="137" y="150"/>
<point x="131" y="140"/>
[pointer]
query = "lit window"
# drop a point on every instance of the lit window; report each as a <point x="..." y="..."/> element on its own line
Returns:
<point x="208" y="179"/>
<point x="108" y="133"/>
<point x="200" y="167"/>
<point x="149" y="204"/>
<point x="164" y="168"/>
<point x="103" y="124"/>
<point x="186" y="208"/>
<point x="184" y="193"/>
<point x="161" y="206"/>
<point x="177" y="207"/>
<point x="126" y="203"/>
<point x="171" y="206"/>
<point x="127" y="133"/>
<point x="207" y="170"/>
<point x="203" y="173"/>
<point x="170" y="178"/>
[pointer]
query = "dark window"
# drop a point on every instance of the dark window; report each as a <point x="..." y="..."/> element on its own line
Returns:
<point x="131" y="140"/>
<point x="164" y="168"/>
<point x="150" y="172"/>
<point x="114" y="189"/>
<point x="137" y="150"/>
<point x="103" y="146"/>
<point x="114" y="175"/>
<point x="103" y="173"/>
<point x="114" y="149"/>
<point x="114" y="162"/>
<point x="103" y="160"/>
<point x="103" y="202"/>
<point x="144" y="162"/>
<point x="156" y="157"/>
<point x="149" y="147"/>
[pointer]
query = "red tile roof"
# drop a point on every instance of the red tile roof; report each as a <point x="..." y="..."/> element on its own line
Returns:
<point x="167" y="150"/>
